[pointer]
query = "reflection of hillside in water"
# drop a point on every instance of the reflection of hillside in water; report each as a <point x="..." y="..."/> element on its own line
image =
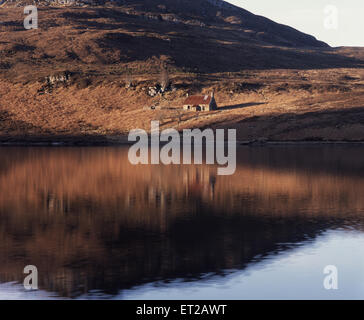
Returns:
<point x="89" y="220"/>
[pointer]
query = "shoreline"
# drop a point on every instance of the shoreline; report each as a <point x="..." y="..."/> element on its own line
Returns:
<point x="124" y="142"/>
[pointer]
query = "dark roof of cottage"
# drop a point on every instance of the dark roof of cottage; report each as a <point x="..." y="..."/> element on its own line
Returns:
<point x="198" y="100"/>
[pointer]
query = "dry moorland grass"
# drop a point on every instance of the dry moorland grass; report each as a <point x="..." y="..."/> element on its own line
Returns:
<point x="265" y="105"/>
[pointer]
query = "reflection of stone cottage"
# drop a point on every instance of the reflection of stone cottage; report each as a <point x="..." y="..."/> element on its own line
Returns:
<point x="200" y="103"/>
<point x="200" y="183"/>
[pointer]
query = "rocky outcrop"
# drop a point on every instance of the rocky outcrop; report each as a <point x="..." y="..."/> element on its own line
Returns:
<point x="159" y="90"/>
<point x="60" y="78"/>
<point x="56" y="80"/>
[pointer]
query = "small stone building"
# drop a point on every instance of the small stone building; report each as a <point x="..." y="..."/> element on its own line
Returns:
<point x="200" y="103"/>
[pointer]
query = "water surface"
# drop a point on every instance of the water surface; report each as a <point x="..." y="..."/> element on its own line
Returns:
<point x="97" y="227"/>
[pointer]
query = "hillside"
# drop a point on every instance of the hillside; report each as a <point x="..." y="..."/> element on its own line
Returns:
<point x="67" y="78"/>
<point x="206" y="13"/>
<point x="138" y="35"/>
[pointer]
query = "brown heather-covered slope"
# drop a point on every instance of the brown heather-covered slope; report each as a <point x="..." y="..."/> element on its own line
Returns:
<point x="272" y="81"/>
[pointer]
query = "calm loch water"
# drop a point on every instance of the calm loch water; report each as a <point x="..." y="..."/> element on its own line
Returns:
<point x="97" y="227"/>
